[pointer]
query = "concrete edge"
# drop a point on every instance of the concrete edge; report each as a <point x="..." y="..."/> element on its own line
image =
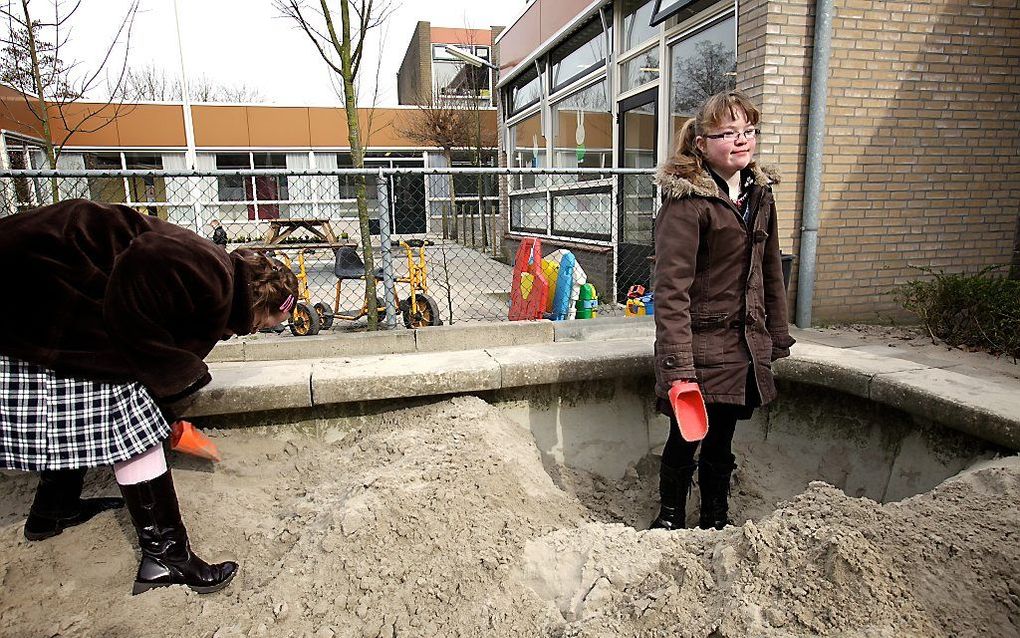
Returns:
<point x="983" y="409"/>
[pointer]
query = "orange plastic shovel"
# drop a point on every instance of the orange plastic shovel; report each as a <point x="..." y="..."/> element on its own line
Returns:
<point x="186" y="438"/>
<point x="689" y="408"/>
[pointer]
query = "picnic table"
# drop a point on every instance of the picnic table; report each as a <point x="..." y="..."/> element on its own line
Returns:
<point x="281" y="229"/>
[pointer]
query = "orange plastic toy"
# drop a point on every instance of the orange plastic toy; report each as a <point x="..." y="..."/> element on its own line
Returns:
<point x="186" y="438"/>
<point x="529" y="289"/>
<point x="689" y="408"/>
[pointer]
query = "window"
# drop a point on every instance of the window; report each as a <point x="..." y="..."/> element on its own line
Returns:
<point x="451" y="76"/>
<point x="586" y="213"/>
<point x="231" y="188"/>
<point x="637" y="16"/>
<point x="524" y="91"/>
<point x="583" y="129"/>
<point x="105" y="189"/>
<point x="527" y="148"/>
<point x="581" y="54"/>
<point x="349" y="183"/>
<point x="460" y="80"/>
<point x="146" y="188"/>
<point x="702" y="64"/>
<point x="528" y="212"/>
<point x="270" y="188"/>
<point x="639" y="70"/>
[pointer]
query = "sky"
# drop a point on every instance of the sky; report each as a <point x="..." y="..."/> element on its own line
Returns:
<point x="248" y="42"/>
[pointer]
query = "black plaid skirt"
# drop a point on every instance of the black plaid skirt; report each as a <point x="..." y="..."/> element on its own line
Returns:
<point x="50" y="421"/>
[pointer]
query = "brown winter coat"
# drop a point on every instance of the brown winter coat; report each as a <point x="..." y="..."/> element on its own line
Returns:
<point x="720" y="301"/>
<point x="98" y="291"/>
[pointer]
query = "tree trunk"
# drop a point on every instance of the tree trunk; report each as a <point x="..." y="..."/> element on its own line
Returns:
<point x="44" y="114"/>
<point x="453" y="198"/>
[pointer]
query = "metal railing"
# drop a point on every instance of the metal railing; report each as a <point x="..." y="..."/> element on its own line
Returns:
<point x="471" y="220"/>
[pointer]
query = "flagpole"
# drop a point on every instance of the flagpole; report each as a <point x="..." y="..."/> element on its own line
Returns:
<point x="189" y="127"/>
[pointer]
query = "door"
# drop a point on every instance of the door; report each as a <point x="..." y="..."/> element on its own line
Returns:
<point x="637" y="130"/>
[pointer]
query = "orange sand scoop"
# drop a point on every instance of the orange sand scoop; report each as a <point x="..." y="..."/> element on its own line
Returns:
<point x="186" y="438"/>
<point x="689" y="408"/>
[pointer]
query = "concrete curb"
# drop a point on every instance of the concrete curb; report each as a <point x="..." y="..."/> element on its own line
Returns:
<point x="539" y="353"/>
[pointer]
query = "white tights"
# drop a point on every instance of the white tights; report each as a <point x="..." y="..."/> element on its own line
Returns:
<point x="141" y="467"/>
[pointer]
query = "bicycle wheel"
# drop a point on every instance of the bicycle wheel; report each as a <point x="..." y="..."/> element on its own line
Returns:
<point x="325" y="312"/>
<point x="427" y="312"/>
<point x="303" y="321"/>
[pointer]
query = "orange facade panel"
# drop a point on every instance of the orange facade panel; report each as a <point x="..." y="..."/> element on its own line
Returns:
<point x="446" y="35"/>
<point x="520" y="40"/>
<point x="278" y="126"/>
<point x="221" y="126"/>
<point x="151" y="125"/>
<point x="15" y="114"/>
<point x="95" y="124"/>
<point x="327" y="126"/>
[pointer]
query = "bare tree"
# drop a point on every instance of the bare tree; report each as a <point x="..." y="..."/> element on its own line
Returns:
<point x="341" y="46"/>
<point x="153" y="83"/>
<point x="50" y="88"/>
<point x="442" y="121"/>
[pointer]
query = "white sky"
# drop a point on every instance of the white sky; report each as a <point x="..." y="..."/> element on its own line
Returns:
<point x="246" y="41"/>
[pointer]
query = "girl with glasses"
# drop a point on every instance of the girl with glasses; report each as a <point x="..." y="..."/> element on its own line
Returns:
<point x="134" y="305"/>
<point x="720" y="299"/>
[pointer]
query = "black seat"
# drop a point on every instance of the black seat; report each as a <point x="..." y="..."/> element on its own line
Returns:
<point x="349" y="264"/>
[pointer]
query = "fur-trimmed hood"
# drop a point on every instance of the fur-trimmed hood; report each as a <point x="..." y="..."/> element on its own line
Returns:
<point x="678" y="183"/>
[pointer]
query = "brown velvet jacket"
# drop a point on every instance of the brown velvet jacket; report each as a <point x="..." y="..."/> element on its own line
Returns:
<point x="101" y="292"/>
<point x="720" y="302"/>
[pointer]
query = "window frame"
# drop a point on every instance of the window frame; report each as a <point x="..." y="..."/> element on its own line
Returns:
<point x="566" y="82"/>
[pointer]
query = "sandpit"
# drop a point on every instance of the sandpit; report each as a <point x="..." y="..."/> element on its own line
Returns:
<point x="442" y="520"/>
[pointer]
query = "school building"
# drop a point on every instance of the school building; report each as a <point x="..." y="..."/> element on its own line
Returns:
<point x="154" y="136"/>
<point x="917" y="144"/>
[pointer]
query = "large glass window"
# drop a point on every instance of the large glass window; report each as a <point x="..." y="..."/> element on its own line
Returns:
<point x="349" y="183"/>
<point x="231" y="188"/>
<point x="525" y="91"/>
<point x="585" y="213"/>
<point x="527" y="148"/>
<point x="636" y="16"/>
<point x="583" y="129"/>
<point x="528" y="212"/>
<point x="147" y="188"/>
<point x="455" y="78"/>
<point x="582" y="53"/>
<point x="105" y="189"/>
<point x="639" y="70"/>
<point x="702" y="64"/>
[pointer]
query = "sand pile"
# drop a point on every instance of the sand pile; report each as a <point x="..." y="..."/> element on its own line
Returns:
<point x="442" y="521"/>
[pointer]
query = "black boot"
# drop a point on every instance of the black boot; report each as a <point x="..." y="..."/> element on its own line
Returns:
<point x="166" y="554"/>
<point x="58" y="504"/>
<point x="674" y="486"/>
<point x="714" y="481"/>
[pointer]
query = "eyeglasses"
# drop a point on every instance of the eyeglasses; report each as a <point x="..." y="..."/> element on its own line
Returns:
<point x="730" y="136"/>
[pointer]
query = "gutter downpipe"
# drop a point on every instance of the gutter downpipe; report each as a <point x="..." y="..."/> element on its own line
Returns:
<point x="813" y="162"/>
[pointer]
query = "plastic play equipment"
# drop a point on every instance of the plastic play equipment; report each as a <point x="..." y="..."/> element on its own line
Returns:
<point x="639" y="303"/>
<point x="568" y="285"/>
<point x="689" y="408"/>
<point x="186" y="438"/>
<point x="587" y="302"/>
<point x="529" y="290"/>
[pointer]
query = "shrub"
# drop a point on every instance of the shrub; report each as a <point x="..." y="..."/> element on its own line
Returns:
<point x="980" y="310"/>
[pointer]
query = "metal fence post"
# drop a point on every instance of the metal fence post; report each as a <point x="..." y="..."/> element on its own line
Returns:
<point x="382" y="186"/>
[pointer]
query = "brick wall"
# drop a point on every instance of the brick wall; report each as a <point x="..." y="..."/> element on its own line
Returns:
<point x="774" y="69"/>
<point x="414" y="78"/>
<point x="912" y="176"/>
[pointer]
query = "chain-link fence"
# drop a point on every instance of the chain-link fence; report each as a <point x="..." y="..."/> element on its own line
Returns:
<point x="449" y="245"/>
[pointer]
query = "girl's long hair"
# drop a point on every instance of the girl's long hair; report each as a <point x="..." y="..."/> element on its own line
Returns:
<point x="271" y="281"/>
<point x="687" y="158"/>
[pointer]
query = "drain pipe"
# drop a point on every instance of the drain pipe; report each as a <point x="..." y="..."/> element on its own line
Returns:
<point x="811" y="208"/>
